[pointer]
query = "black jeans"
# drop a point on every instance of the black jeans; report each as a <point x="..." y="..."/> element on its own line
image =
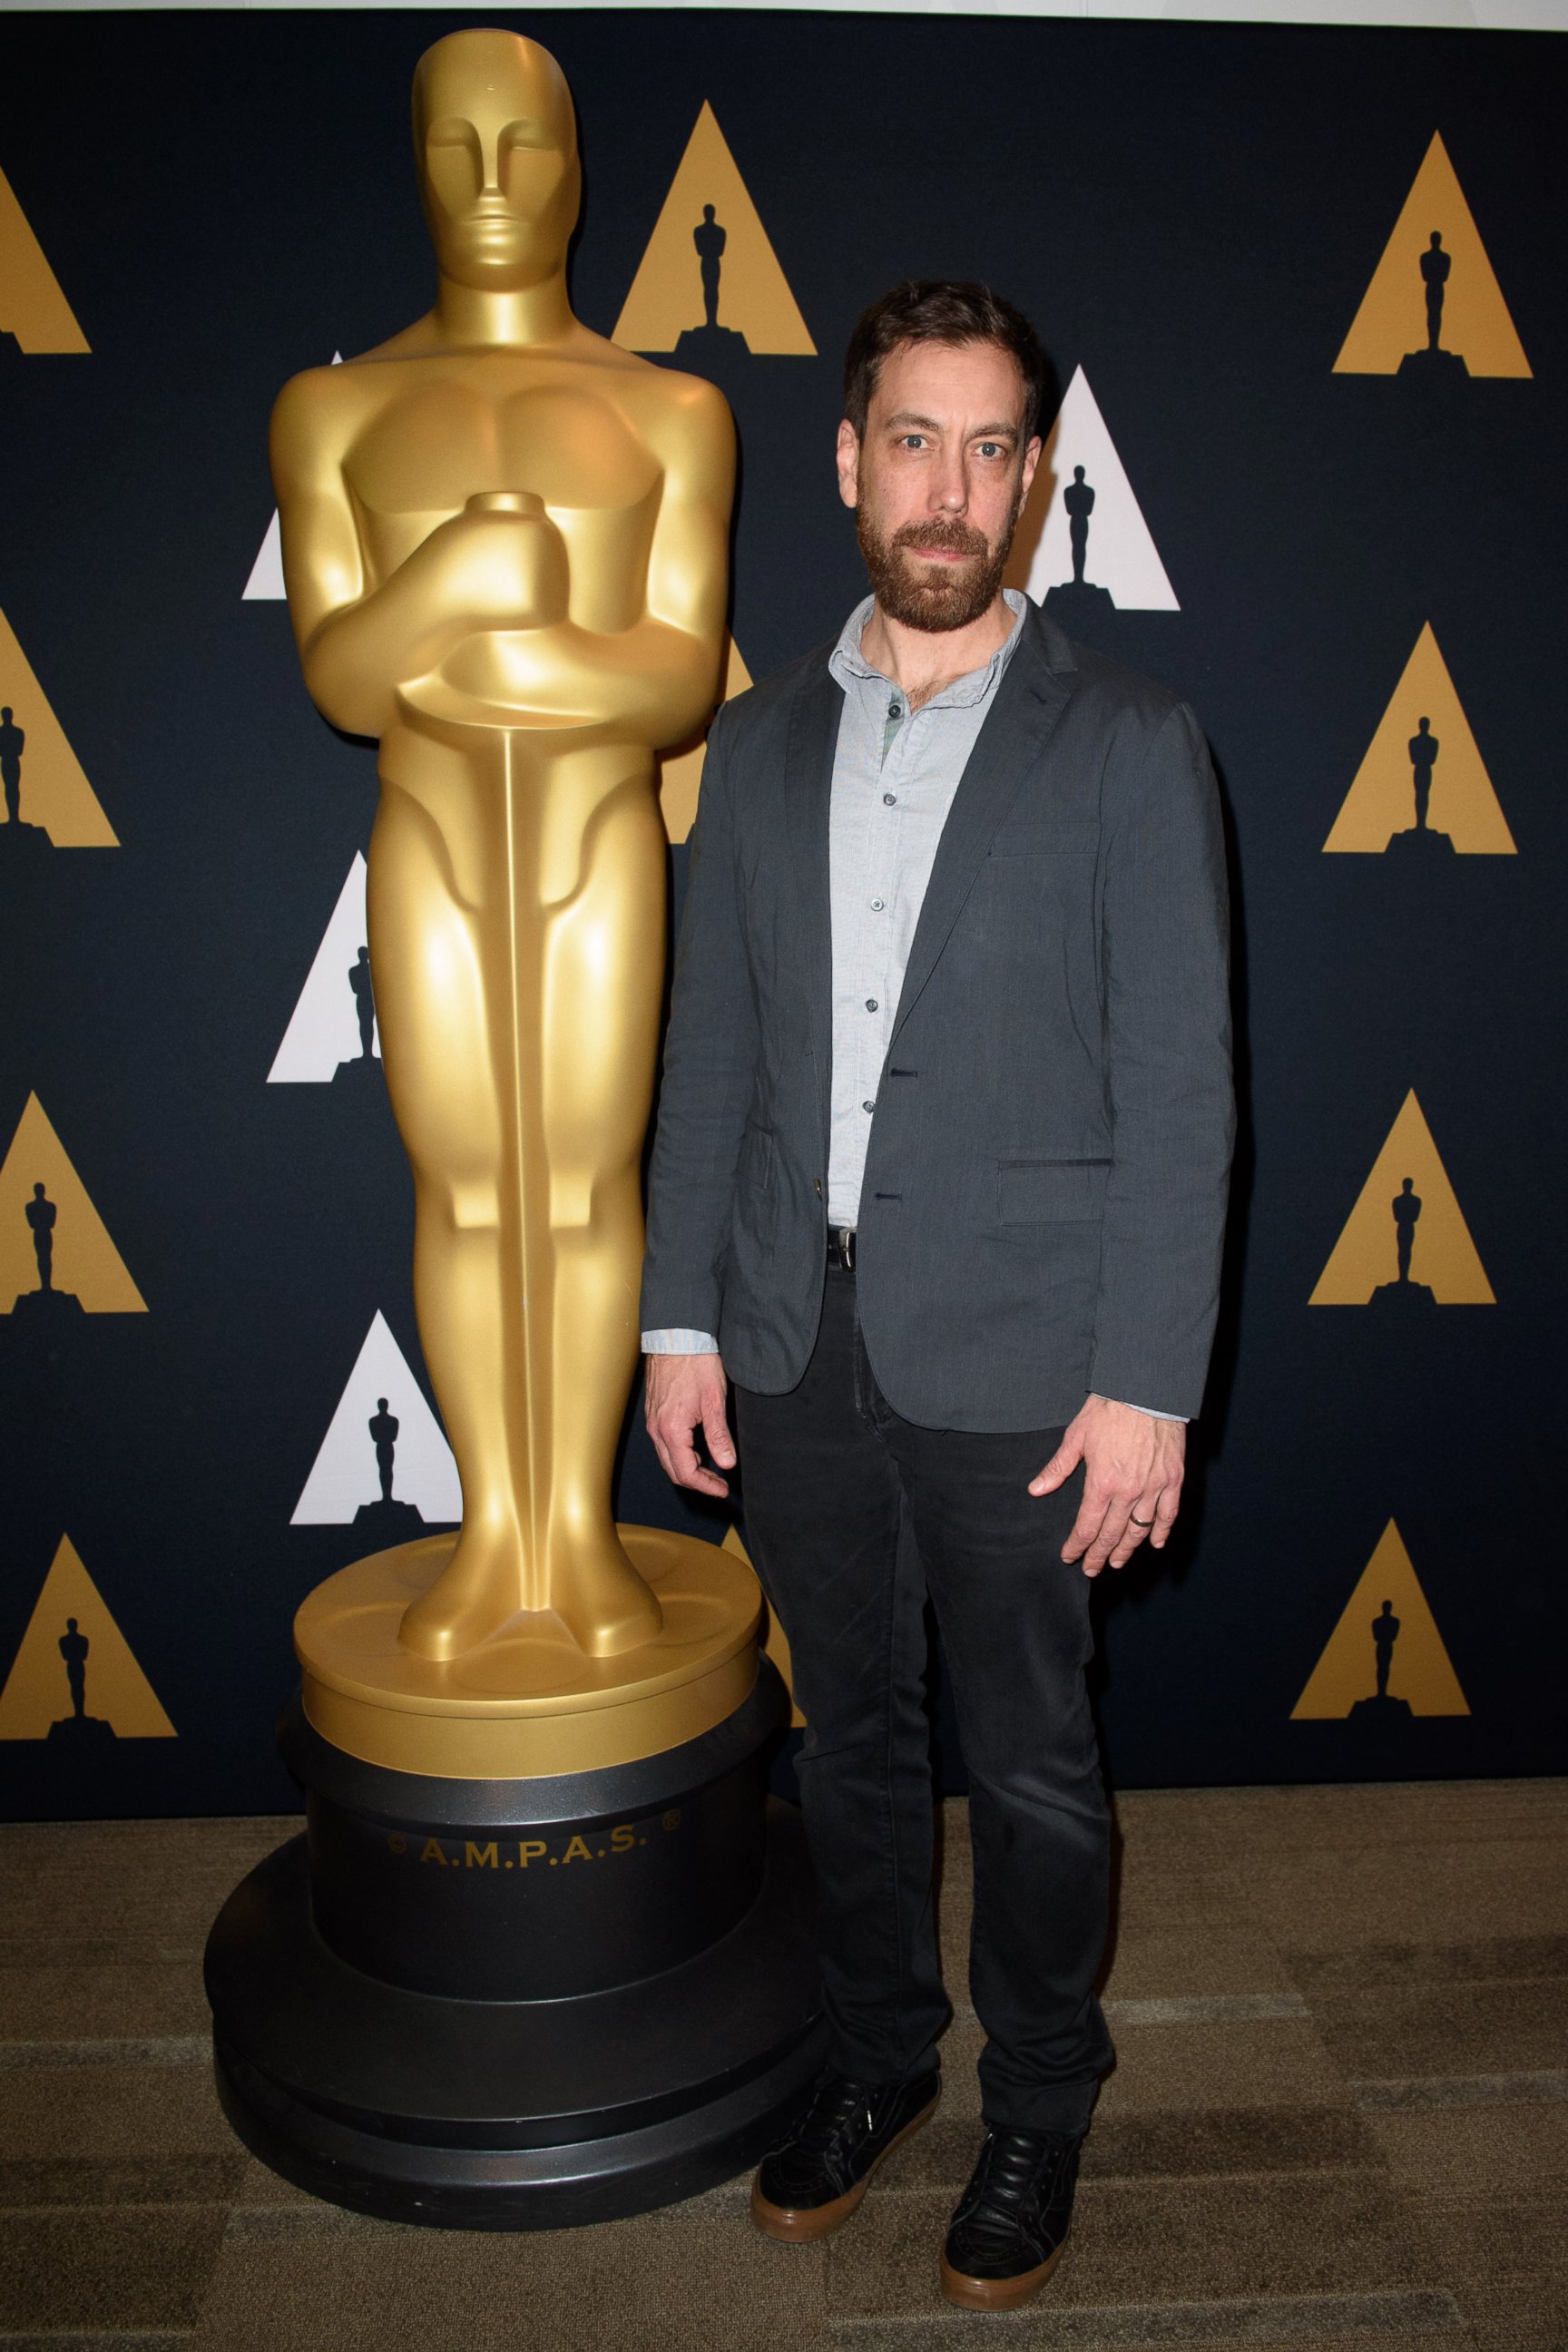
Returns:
<point x="853" y="1514"/>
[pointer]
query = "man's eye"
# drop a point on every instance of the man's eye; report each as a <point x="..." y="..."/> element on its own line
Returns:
<point x="991" y="449"/>
<point x="913" y="441"/>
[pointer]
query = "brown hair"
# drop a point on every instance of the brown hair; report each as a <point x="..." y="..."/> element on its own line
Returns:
<point x="940" y="311"/>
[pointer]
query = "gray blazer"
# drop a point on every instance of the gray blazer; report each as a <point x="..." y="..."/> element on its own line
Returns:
<point x="1044" y="1188"/>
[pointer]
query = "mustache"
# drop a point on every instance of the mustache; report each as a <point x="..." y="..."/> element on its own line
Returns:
<point x="944" y="532"/>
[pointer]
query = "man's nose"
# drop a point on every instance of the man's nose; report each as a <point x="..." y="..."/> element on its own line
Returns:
<point x="950" y="490"/>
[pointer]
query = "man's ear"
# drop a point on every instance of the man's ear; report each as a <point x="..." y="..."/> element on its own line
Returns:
<point x="848" y="462"/>
<point x="1031" y="459"/>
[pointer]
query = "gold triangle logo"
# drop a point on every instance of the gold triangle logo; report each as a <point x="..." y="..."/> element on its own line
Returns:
<point x="1423" y="789"/>
<point x="1405" y="1244"/>
<point x="75" y="1680"/>
<point x="70" y="1245"/>
<point x="710" y="269"/>
<point x="1385" y="1657"/>
<point x="32" y="307"/>
<point x="44" y="783"/>
<point x="1434" y="305"/>
<point x="681" y="770"/>
<point x="775" y="1647"/>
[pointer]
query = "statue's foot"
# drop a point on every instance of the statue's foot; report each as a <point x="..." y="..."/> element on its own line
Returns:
<point x="477" y="1592"/>
<point x="602" y="1601"/>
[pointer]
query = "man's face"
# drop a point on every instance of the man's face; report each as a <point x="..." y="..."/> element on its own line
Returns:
<point x="497" y="152"/>
<point x="939" y="480"/>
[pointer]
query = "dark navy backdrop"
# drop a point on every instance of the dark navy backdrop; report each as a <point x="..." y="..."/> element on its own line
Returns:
<point x="1191" y="213"/>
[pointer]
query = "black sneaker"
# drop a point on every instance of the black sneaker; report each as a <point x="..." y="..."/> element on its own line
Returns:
<point x="1011" y="2220"/>
<point x="813" y="2179"/>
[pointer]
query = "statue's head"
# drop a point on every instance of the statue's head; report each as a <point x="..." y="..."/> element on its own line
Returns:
<point x="495" y="141"/>
<point x="38" y="1192"/>
<point x="1422" y="725"/>
<point x="1408" y="1185"/>
<point x="5" y="716"/>
<point x="1077" y="473"/>
<point x="707" y="212"/>
<point x="70" y="1625"/>
<point x="381" y="1405"/>
<point x="1437" y="241"/>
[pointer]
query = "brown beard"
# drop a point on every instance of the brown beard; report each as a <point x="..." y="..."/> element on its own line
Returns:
<point x="956" y="595"/>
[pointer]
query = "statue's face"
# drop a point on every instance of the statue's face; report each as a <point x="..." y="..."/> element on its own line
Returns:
<point x="496" y="147"/>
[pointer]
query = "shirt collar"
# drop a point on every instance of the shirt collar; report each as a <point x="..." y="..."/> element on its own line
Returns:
<point x="847" y="662"/>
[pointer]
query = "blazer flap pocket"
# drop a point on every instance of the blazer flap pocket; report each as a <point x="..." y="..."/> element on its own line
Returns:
<point x="1061" y="1192"/>
<point x="1043" y="839"/>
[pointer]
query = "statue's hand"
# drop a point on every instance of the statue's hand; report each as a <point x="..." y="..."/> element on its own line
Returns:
<point x="501" y="564"/>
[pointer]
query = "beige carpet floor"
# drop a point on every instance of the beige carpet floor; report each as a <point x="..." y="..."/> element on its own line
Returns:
<point x="1339" y="2121"/>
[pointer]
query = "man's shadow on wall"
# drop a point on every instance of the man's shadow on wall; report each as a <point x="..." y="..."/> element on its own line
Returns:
<point x="1123" y="1589"/>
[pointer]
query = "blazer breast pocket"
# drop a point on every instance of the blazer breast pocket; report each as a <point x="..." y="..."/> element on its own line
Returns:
<point x="1051" y="1192"/>
<point x="1040" y="838"/>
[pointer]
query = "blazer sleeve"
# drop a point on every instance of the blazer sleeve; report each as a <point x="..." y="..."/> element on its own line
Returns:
<point x="1164" y="948"/>
<point x="709" y="1073"/>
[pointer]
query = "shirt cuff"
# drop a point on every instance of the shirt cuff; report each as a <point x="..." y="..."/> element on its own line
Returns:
<point x="679" y="1343"/>
<point x="1153" y="1410"/>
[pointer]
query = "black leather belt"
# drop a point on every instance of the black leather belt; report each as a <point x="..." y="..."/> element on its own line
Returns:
<point x="841" y="1247"/>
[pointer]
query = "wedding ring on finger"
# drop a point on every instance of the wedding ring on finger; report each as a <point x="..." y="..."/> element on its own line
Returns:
<point x="1137" y="1522"/>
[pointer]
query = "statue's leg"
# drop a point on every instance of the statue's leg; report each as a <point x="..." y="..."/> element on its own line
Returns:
<point x="427" y="951"/>
<point x="602" y="863"/>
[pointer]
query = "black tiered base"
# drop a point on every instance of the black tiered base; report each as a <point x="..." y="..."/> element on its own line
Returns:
<point x="526" y="2004"/>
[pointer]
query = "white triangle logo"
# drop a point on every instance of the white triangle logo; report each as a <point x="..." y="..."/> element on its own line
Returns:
<point x="324" y="1031"/>
<point x="1119" y="554"/>
<point x="265" y="586"/>
<point x="346" y="1479"/>
<point x="266" y="581"/>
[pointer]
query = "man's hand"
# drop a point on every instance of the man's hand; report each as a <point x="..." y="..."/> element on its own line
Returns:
<point x="1133" y="1468"/>
<point x="683" y="1394"/>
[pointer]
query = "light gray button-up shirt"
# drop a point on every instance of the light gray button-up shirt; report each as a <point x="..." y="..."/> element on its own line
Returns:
<point x="894" y="775"/>
<point x="895" y="772"/>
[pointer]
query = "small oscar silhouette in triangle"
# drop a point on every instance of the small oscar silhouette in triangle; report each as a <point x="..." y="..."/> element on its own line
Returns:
<point x="777" y="1645"/>
<point x="49" y="802"/>
<point x="1083" y="549"/>
<point x="710" y="288"/>
<point x="681" y="770"/>
<point x="1405" y="1246"/>
<point x="74" y="1681"/>
<point x="57" y="1260"/>
<point x="1433" y="309"/>
<point x="265" y="584"/>
<point x="32" y="307"/>
<point x="332" y="1037"/>
<point x="1385" y="1661"/>
<point x="384" y="1467"/>
<point x="1422" y="793"/>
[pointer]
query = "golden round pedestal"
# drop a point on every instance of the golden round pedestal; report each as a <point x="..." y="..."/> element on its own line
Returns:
<point x="529" y="1702"/>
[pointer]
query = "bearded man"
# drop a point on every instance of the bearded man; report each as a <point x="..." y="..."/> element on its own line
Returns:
<point x="939" y="1186"/>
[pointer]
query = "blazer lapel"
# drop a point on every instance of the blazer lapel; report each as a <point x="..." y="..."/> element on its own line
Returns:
<point x="1034" y="692"/>
<point x="808" y="784"/>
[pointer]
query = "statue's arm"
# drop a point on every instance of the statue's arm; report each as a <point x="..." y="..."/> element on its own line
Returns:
<point x="659" y="679"/>
<point x="361" y="639"/>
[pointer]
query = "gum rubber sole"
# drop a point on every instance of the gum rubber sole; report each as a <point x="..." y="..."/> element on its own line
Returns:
<point x="793" y="2226"/>
<point x="995" y="2295"/>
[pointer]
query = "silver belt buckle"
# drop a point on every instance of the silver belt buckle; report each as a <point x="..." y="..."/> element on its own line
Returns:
<point x="841" y="1246"/>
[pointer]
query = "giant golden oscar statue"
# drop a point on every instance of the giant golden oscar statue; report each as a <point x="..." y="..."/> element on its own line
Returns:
<point x="504" y="545"/>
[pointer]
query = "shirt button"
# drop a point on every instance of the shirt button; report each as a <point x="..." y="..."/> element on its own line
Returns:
<point x="895" y="710"/>
<point x="870" y="1005"/>
<point x="876" y="906"/>
<point x="867" y="1106"/>
<point x="889" y="799"/>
